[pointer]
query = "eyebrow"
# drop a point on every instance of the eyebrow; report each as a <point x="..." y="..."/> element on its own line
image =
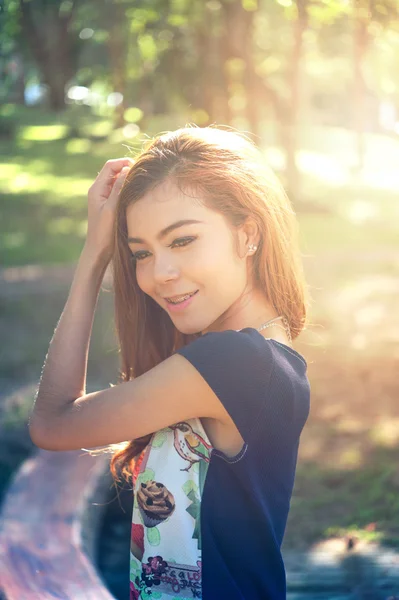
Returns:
<point x="164" y="232"/>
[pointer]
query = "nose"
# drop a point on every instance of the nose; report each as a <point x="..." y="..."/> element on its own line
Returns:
<point x="165" y="270"/>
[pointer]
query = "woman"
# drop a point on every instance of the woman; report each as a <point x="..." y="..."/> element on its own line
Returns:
<point x="209" y="294"/>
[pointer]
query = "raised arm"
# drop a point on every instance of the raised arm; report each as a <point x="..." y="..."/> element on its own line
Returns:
<point x="63" y="376"/>
<point x="64" y="417"/>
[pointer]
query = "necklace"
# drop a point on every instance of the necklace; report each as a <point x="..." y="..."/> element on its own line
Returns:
<point x="271" y="322"/>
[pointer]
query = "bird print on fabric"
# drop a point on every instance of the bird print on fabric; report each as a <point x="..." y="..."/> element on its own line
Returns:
<point x="190" y="445"/>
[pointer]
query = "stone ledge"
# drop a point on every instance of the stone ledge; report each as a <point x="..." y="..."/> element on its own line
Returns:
<point x="48" y="529"/>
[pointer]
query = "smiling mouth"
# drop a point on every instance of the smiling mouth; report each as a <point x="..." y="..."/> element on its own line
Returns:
<point x="179" y="299"/>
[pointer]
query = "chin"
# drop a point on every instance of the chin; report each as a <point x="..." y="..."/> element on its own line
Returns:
<point x="189" y="328"/>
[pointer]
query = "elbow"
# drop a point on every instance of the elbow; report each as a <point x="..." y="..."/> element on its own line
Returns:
<point x="41" y="435"/>
<point x="51" y="435"/>
<point x="37" y="434"/>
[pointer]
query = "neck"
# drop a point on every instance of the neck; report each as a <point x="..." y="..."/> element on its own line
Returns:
<point x="251" y="309"/>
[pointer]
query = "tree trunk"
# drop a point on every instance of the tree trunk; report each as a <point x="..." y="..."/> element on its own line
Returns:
<point x="253" y="107"/>
<point x="207" y="50"/>
<point x="360" y="45"/>
<point x="19" y="81"/>
<point x="221" y="101"/>
<point x="117" y="52"/>
<point x="49" y="41"/>
<point x="237" y="43"/>
<point x="289" y="127"/>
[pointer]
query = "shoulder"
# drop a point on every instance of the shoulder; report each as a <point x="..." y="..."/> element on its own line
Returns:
<point x="245" y="347"/>
<point x="230" y="346"/>
<point x="235" y="364"/>
<point x="258" y="380"/>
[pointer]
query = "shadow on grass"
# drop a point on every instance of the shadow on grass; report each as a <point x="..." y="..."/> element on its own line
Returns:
<point x="361" y="503"/>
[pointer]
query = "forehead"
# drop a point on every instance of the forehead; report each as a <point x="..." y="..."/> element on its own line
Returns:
<point x="164" y="205"/>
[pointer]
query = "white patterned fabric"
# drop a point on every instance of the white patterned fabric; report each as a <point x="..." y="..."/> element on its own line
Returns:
<point x="165" y="557"/>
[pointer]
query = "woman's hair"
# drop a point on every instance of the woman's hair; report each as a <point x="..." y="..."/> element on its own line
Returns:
<point x="230" y="175"/>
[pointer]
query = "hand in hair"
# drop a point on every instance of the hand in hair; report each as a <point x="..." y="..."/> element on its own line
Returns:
<point x="102" y="200"/>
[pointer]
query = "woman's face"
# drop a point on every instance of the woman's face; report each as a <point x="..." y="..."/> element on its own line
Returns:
<point x="193" y="257"/>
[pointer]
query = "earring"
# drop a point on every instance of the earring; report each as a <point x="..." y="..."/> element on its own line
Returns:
<point x="252" y="248"/>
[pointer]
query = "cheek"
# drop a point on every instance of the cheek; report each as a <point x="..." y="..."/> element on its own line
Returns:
<point x="212" y="253"/>
<point x="218" y="255"/>
<point x="142" y="277"/>
<point x="218" y="267"/>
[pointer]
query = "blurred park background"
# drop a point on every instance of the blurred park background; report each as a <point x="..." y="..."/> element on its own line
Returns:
<point x="315" y="84"/>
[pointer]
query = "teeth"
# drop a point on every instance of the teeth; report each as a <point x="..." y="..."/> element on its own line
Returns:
<point x="181" y="298"/>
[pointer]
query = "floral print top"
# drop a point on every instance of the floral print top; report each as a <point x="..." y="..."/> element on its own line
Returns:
<point x="165" y="551"/>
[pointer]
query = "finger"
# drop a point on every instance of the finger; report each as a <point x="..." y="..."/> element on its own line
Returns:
<point x="112" y="168"/>
<point x="105" y="180"/>
<point x="120" y="180"/>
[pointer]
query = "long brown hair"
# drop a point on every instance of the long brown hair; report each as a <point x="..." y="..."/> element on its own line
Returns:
<point x="229" y="173"/>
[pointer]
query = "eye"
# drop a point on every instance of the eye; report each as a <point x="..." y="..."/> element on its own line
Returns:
<point x="179" y="242"/>
<point x="182" y="241"/>
<point x="138" y="256"/>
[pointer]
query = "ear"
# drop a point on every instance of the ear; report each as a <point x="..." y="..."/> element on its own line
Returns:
<point x="248" y="233"/>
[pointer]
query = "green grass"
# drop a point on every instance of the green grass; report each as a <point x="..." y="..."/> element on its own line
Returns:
<point x="48" y="166"/>
<point x="361" y="500"/>
<point x="320" y="233"/>
<point x="44" y="178"/>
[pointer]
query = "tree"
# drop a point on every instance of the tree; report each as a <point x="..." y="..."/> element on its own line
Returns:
<point x="368" y="18"/>
<point x="46" y="26"/>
